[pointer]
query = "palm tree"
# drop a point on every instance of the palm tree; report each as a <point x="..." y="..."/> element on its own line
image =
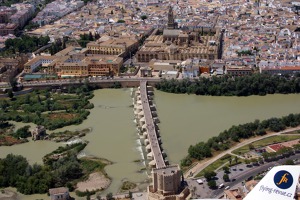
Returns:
<point x="230" y="160"/>
<point x="236" y="159"/>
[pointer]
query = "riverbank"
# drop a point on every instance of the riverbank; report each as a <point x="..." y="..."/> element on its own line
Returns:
<point x="200" y="166"/>
<point x="61" y="168"/>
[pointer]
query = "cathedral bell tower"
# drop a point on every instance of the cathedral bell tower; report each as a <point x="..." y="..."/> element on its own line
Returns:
<point x="171" y="22"/>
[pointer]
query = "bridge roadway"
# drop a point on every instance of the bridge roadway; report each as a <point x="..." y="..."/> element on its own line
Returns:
<point x="153" y="140"/>
<point x="93" y="81"/>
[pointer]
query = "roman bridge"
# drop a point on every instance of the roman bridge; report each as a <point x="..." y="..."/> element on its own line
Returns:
<point x="146" y="116"/>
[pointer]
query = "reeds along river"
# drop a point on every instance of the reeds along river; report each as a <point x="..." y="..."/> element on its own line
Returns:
<point x="185" y="120"/>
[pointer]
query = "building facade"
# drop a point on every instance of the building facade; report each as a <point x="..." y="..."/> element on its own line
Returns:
<point x="121" y="46"/>
<point x="61" y="193"/>
<point x="177" y="44"/>
<point x="76" y="65"/>
<point x="167" y="184"/>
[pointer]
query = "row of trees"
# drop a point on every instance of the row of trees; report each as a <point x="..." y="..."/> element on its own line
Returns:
<point x="228" y="137"/>
<point x="86" y="38"/>
<point x="26" y="44"/>
<point x="256" y="84"/>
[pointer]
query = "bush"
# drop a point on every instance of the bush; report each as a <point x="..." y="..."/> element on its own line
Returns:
<point x="86" y="193"/>
<point x="212" y="184"/>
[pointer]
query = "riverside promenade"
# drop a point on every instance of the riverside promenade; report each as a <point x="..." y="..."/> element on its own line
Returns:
<point x="150" y="127"/>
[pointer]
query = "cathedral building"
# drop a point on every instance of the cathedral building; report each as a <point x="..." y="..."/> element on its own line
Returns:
<point x="176" y="44"/>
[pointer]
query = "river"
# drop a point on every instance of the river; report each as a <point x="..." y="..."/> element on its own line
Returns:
<point x="185" y="120"/>
<point x="188" y="119"/>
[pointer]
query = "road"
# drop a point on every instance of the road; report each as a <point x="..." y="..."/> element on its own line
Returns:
<point x="151" y="131"/>
<point x="249" y="172"/>
<point x="91" y="80"/>
<point x="238" y="173"/>
<point x="200" y="166"/>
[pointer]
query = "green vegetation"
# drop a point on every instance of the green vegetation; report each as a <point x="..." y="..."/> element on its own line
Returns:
<point x="281" y="153"/>
<point x="265" y="142"/>
<point x="29" y="179"/>
<point x="86" y="193"/>
<point x="72" y="149"/>
<point x="244" y="53"/>
<point x="22" y="132"/>
<point x="49" y="109"/>
<point x="8" y="137"/>
<point x="61" y="168"/>
<point x="86" y="38"/>
<point x="67" y="135"/>
<point x="9" y="2"/>
<point x="90" y="165"/>
<point x="143" y="17"/>
<point x="226" y="178"/>
<point x="289" y="162"/>
<point x="256" y="84"/>
<point x="116" y="85"/>
<point x="234" y="134"/>
<point x="212" y="184"/>
<point x="58" y="45"/>
<point x="127" y="185"/>
<point x="209" y="175"/>
<point x="25" y="44"/>
<point x="5" y="126"/>
<point x="215" y="165"/>
<point x="31" y="26"/>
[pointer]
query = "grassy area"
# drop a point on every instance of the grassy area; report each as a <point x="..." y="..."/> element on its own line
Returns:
<point x="215" y="165"/>
<point x="49" y="109"/>
<point x="266" y="141"/>
<point x="293" y="132"/>
<point x="92" y="165"/>
<point x="127" y="185"/>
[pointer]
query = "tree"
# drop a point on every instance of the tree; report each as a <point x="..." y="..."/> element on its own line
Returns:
<point x="22" y="132"/>
<point x="130" y="194"/>
<point x="120" y="21"/>
<point x="226" y="169"/>
<point x="226" y="178"/>
<point x="109" y="196"/>
<point x="247" y="161"/>
<point x="212" y="184"/>
<point x="260" y="160"/>
<point x="97" y="35"/>
<point x="236" y="159"/>
<point x="230" y="160"/>
<point x="209" y="175"/>
<point x="10" y="94"/>
<point x="289" y="162"/>
<point x="4" y="105"/>
<point x="251" y="146"/>
<point x="143" y="17"/>
<point x="253" y="161"/>
<point x="91" y="37"/>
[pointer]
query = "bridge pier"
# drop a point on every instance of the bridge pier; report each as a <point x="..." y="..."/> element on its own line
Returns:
<point x="147" y="120"/>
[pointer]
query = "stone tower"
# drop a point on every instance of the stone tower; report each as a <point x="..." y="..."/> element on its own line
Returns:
<point x="171" y="22"/>
<point x="167" y="184"/>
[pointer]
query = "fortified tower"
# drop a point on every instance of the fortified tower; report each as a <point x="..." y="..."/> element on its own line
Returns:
<point x="167" y="184"/>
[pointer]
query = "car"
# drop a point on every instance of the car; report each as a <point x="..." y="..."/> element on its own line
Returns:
<point x="227" y="187"/>
<point x="221" y="185"/>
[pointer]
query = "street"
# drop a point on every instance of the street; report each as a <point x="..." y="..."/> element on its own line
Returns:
<point x="237" y="175"/>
